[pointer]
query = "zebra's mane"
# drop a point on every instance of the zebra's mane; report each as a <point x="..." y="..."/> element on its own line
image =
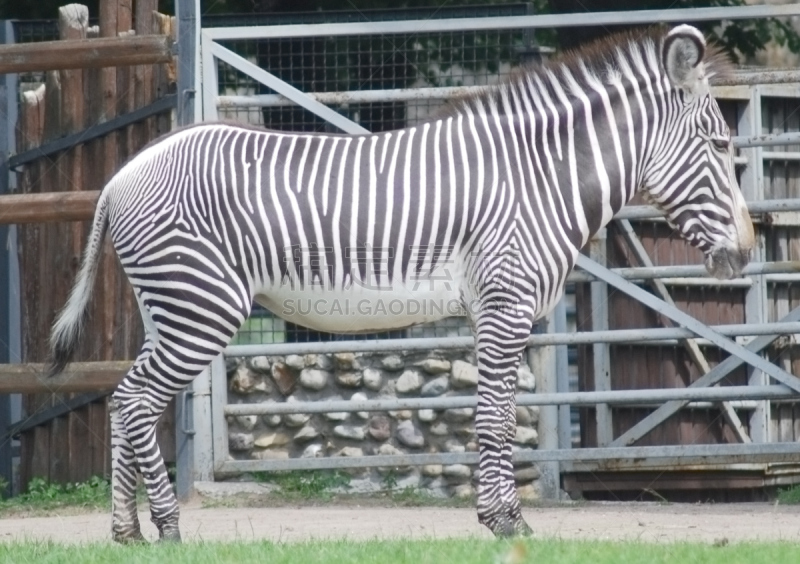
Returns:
<point x="598" y="61"/>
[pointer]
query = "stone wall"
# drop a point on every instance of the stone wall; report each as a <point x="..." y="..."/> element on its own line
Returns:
<point x="344" y="376"/>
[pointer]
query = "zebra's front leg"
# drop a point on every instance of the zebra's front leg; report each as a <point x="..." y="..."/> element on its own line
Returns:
<point x="500" y="342"/>
<point x="124" y="481"/>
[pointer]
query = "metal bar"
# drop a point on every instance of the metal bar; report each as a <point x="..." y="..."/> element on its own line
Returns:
<point x="187" y="13"/>
<point x="770" y="140"/>
<point x="780" y="156"/>
<point x="672" y="455"/>
<point x="202" y="426"/>
<point x="690" y="345"/>
<point x="751" y="78"/>
<point x="285" y="89"/>
<point x="542" y="363"/>
<point x="219" y="425"/>
<point x="580" y="338"/>
<point x="562" y="375"/>
<point x="687" y="270"/>
<point x="755" y="207"/>
<point x="504" y="22"/>
<point x="717" y="373"/>
<point x="782" y="278"/>
<point x="9" y="300"/>
<point x="620" y="397"/>
<point x="735" y="283"/>
<point x="161" y="105"/>
<point x="63" y="408"/>
<point x="688" y="321"/>
<point x="755" y="303"/>
<point x="601" y="354"/>
<point x="450" y="92"/>
<point x="210" y="82"/>
<point x="352" y="96"/>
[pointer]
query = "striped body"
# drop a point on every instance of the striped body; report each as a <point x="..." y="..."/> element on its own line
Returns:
<point x="480" y="212"/>
<point x="308" y="224"/>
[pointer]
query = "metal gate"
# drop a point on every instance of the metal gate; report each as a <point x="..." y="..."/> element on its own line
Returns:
<point x="202" y="443"/>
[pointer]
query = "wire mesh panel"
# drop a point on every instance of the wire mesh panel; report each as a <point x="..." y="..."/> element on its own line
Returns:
<point x="362" y="63"/>
<point x="370" y="62"/>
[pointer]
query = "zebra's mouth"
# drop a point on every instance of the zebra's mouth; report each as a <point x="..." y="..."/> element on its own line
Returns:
<point x="725" y="264"/>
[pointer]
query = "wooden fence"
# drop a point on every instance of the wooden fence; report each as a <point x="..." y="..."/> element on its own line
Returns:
<point x="66" y="436"/>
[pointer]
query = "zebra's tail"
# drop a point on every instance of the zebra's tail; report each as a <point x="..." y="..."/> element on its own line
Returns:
<point x="68" y="326"/>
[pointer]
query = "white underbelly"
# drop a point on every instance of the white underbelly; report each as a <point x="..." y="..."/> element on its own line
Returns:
<point x="364" y="310"/>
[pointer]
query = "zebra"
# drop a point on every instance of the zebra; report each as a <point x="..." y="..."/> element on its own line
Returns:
<point x="503" y="190"/>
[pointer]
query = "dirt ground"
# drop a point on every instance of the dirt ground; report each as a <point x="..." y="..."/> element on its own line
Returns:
<point x="713" y="523"/>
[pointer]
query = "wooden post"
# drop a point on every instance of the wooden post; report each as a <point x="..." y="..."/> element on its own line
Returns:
<point x="73" y="22"/>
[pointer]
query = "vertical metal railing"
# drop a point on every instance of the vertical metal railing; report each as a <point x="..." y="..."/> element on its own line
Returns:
<point x="10" y="345"/>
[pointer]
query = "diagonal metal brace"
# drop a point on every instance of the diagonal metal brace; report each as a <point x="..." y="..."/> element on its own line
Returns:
<point x="686" y="320"/>
<point x="691" y="345"/>
<point x="719" y="372"/>
<point x="300" y="98"/>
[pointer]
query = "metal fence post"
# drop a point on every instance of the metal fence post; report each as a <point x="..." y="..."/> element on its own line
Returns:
<point x="562" y="375"/>
<point x="756" y="297"/>
<point x="601" y="366"/>
<point x="219" y="424"/>
<point x="9" y="269"/>
<point x="542" y="362"/>
<point x="188" y="16"/>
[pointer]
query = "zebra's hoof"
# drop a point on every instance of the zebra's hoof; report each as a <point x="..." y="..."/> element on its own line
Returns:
<point x="522" y="529"/>
<point x="501" y="527"/>
<point x="134" y="537"/>
<point x="169" y="535"/>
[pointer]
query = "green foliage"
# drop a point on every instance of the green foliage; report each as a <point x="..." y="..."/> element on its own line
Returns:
<point x="305" y="484"/>
<point x="789" y="496"/>
<point x="95" y="493"/>
<point x="389" y="479"/>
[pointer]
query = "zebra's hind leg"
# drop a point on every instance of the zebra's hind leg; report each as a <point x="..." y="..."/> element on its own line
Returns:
<point x="187" y="336"/>
<point x="139" y="404"/>
<point x="124" y="471"/>
<point x="124" y="480"/>
<point x="501" y="336"/>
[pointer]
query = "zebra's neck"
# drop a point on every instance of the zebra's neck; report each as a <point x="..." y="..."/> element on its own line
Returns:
<point x="581" y="147"/>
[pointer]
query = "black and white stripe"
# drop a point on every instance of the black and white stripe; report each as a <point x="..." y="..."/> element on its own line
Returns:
<point x="487" y="206"/>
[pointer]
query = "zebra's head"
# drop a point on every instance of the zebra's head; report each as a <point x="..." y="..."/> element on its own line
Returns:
<point x="690" y="174"/>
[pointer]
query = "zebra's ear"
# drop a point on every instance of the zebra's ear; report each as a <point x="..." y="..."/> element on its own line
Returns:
<point x="683" y="52"/>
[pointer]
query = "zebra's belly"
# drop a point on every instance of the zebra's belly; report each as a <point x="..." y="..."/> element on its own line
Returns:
<point x="363" y="310"/>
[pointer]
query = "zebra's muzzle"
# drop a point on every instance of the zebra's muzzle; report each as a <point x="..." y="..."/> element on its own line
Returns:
<point x="725" y="264"/>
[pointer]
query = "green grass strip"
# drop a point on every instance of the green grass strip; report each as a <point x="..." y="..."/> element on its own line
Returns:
<point x="458" y="551"/>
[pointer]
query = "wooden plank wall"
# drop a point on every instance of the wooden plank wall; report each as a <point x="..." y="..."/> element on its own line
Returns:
<point x="653" y="366"/>
<point x="77" y="446"/>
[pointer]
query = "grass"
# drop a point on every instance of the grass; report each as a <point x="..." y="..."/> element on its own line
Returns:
<point x="463" y="551"/>
<point x="306" y="485"/>
<point x="42" y="496"/>
<point x="789" y="496"/>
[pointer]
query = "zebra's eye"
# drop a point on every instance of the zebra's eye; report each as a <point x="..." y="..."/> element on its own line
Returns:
<point x="720" y="144"/>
